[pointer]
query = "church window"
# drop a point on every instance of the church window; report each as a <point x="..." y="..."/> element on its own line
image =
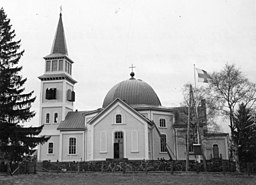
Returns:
<point x="66" y="66"/>
<point x="118" y="118"/>
<point x="55" y="117"/>
<point x="50" y="93"/>
<point x="70" y="95"/>
<point x="48" y="65"/>
<point x="135" y="141"/>
<point x="60" y="65"/>
<point x="118" y="135"/>
<point x="54" y="65"/>
<point x="215" y="150"/>
<point x="50" y="148"/>
<point x="162" y="123"/>
<point x="72" y="145"/>
<point x="70" y="69"/>
<point x="47" y="118"/>
<point x="163" y="143"/>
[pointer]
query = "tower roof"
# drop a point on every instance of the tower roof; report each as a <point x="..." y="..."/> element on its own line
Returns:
<point x="59" y="44"/>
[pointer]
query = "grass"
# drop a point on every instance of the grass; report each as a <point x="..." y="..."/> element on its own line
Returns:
<point x="127" y="179"/>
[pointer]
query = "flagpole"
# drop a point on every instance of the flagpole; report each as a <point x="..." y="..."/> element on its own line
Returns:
<point x="188" y="128"/>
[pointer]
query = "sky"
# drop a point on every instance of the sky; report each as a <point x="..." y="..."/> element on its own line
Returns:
<point x="164" y="39"/>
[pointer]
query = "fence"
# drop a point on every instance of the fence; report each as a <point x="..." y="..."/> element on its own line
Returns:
<point x="24" y="167"/>
<point x="137" y="166"/>
<point x="125" y="166"/>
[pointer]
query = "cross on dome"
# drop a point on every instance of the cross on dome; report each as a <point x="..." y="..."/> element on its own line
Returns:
<point x="132" y="67"/>
<point x="132" y="73"/>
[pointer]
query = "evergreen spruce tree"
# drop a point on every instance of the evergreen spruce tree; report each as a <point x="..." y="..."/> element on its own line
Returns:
<point x="16" y="140"/>
<point x="244" y="134"/>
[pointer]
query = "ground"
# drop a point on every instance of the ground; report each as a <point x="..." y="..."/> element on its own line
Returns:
<point x="126" y="179"/>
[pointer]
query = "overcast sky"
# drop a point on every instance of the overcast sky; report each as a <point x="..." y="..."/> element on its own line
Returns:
<point x="162" y="38"/>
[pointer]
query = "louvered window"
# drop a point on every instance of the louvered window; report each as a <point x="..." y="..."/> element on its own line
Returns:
<point x="71" y="95"/>
<point x="50" y="94"/>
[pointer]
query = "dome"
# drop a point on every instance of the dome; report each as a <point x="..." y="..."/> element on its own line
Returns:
<point x="133" y="92"/>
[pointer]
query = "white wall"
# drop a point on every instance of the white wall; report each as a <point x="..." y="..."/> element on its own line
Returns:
<point x="79" y="156"/>
<point x="44" y="150"/>
<point x="131" y="124"/>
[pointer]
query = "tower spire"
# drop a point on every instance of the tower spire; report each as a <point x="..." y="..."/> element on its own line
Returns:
<point x="59" y="43"/>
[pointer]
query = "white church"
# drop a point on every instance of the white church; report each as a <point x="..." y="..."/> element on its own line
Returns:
<point x="123" y="127"/>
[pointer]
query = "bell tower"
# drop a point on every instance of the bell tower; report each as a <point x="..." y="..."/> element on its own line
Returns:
<point x="57" y="93"/>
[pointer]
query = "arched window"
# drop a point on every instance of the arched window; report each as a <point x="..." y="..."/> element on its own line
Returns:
<point x="162" y="123"/>
<point x="118" y="118"/>
<point x="55" y="117"/>
<point x="47" y="118"/>
<point x="50" y="148"/>
<point x="50" y="94"/>
<point x="215" y="151"/>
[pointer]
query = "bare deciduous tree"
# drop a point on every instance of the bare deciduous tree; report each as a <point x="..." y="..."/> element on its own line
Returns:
<point x="229" y="88"/>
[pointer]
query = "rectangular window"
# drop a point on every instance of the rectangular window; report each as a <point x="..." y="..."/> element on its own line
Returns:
<point x="72" y="145"/>
<point x="50" y="148"/>
<point x="163" y="143"/>
<point x="54" y="65"/>
<point x="66" y="66"/>
<point x="162" y="123"/>
<point x="48" y="66"/>
<point x="55" y="117"/>
<point x="60" y="65"/>
<point x="70" y="69"/>
<point x="47" y="118"/>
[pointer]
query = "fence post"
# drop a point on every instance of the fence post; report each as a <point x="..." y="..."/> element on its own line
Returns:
<point x="172" y="166"/>
<point x="58" y="167"/>
<point x="102" y="168"/>
<point x="146" y="167"/>
<point x="78" y="166"/>
<point x="223" y="167"/>
<point x="35" y="163"/>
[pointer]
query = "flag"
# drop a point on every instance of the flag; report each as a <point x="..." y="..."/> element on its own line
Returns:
<point x="203" y="76"/>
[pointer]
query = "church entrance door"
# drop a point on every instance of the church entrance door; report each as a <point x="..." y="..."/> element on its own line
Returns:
<point x="118" y="145"/>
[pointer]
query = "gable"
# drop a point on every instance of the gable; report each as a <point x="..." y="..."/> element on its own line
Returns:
<point x="118" y="107"/>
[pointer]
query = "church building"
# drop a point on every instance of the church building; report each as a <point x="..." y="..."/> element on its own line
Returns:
<point x="131" y="123"/>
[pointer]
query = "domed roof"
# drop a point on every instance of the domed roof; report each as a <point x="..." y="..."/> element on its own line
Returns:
<point x="133" y="92"/>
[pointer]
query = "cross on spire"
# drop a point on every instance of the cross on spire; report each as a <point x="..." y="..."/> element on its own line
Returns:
<point x="132" y="67"/>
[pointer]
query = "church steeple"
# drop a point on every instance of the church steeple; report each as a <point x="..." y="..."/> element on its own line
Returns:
<point x="57" y="63"/>
<point x="59" y="44"/>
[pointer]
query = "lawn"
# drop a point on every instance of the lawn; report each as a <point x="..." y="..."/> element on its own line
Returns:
<point x="126" y="179"/>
